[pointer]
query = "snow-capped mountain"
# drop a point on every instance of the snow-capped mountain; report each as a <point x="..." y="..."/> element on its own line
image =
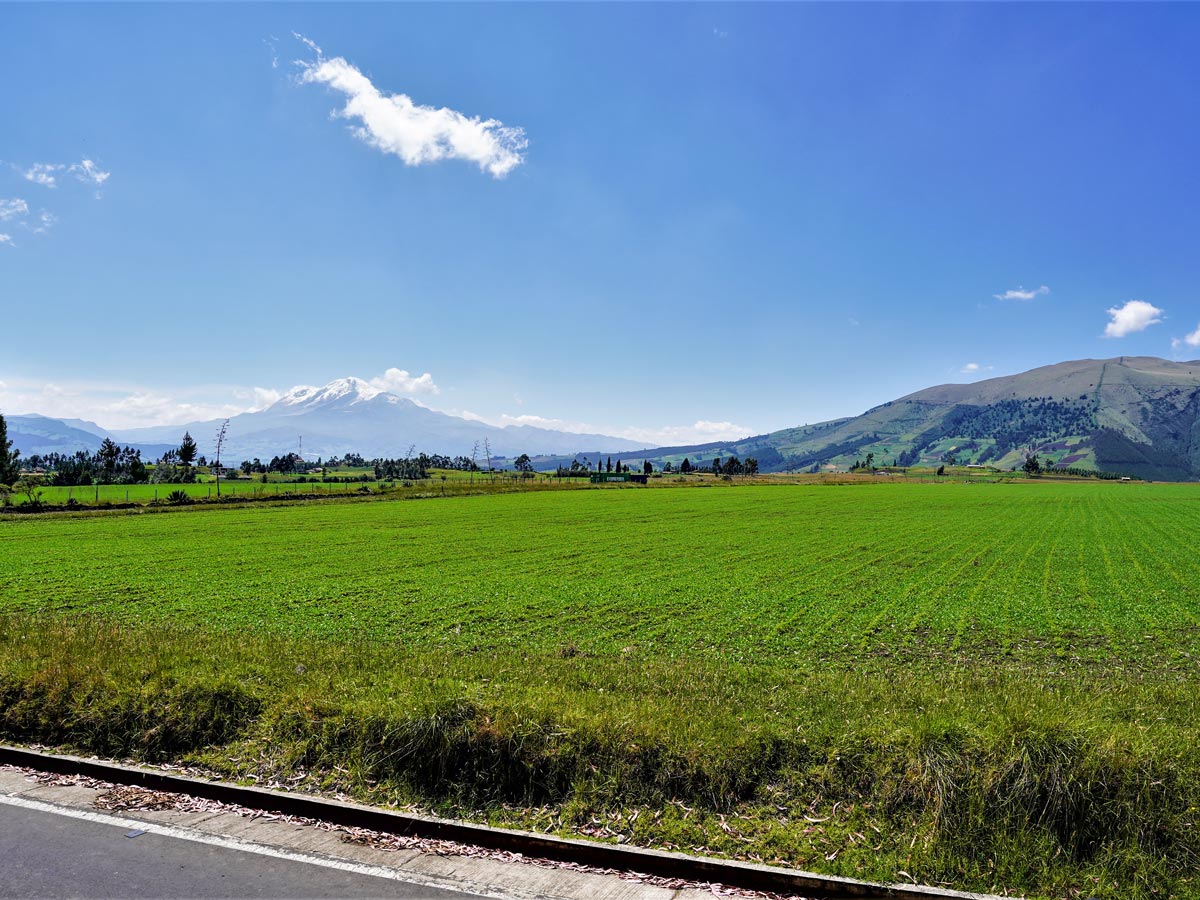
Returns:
<point x="351" y="415"/>
<point x="344" y="392"/>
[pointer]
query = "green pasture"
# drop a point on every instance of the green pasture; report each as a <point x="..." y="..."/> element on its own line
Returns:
<point x="780" y="573"/>
<point x="994" y="685"/>
<point x="148" y="493"/>
<point x="276" y="485"/>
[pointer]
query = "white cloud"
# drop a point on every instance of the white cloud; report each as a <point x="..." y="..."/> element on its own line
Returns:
<point x="973" y="368"/>
<point x="121" y="406"/>
<point x="1021" y="294"/>
<point x="417" y="134"/>
<point x="398" y="381"/>
<point x="47" y="174"/>
<point x="6" y="239"/>
<point x="86" y="171"/>
<point x="1190" y="340"/>
<point x="10" y="209"/>
<point x="257" y="398"/>
<point x="699" y="432"/>
<point x="45" y="222"/>
<point x="43" y="174"/>
<point x="264" y="397"/>
<point x="113" y="406"/>
<point x="1136" y="315"/>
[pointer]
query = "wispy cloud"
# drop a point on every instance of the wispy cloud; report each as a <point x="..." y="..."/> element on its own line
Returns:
<point x="1189" y="340"/>
<point x="47" y="174"/>
<point x="393" y="123"/>
<point x="45" y="222"/>
<point x="112" y="405"/>
<point x="12" y="209"/>
<point x="1021" y="294"/>
<point x="700" y="432"/>
<point x="123" y="405"/>
<point x="398" y="381"/>
<point x="87" y="172"/>
<point x="393" y="380"/>
<point x="1134" y="316"/>
<point x="43" y="174"/>
<point x="6" y="239"/>
<point x="973" y="368"/>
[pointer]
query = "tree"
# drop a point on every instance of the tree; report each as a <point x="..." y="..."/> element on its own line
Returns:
<point x="647" y="468"/>
<point x="870" y="461"/>
<point x="31" y="487"/>
<point x="609" y="469"/>
<point x="108" y="459"/>
<point x="1032" y="465"/>
<point x="686" y="466"/>
<point x="187" y="450"/>
<point x="523" y="464"/>
<point x="9" y="469"/>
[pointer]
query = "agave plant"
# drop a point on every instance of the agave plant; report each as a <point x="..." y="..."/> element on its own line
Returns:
<point x="179" y="498"/>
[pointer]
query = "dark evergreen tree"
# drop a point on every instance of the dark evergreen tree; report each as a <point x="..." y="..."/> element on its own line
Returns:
<point x="9" y="469"/>
<point x="187" y="450"/>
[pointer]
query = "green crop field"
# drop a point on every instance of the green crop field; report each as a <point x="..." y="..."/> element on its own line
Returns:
<point x="777" y="572"/>
<point x="992" y="685"/>
<point x="147" y="493"/>
<point x="277" y="485"/>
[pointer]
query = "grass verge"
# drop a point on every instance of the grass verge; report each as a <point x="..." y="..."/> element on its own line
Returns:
<point x="1034" y="779"/>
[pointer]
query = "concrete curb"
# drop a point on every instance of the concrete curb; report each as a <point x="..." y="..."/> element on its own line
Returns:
<point x="609" y="856"/>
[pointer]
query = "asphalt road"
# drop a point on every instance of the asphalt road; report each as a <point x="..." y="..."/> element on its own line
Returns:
<point x="44" y="854"/>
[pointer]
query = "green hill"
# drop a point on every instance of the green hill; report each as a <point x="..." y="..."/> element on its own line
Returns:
<point x="1135" y="415"/>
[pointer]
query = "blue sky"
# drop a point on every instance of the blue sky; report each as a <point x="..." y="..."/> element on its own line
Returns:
<point x="670" y="222"/>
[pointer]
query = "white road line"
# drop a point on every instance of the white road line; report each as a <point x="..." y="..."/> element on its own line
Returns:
<point x="232" y="843"/>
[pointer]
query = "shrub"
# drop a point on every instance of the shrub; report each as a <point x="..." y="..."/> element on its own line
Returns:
<point x="179" y="498"/>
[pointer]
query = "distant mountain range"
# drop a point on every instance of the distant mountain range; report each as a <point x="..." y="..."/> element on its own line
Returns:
<point x="344" y="416"/>
<point x="1134" y="415"/>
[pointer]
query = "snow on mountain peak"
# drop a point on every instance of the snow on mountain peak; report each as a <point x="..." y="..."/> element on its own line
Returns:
<point x="345" y="390"/>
